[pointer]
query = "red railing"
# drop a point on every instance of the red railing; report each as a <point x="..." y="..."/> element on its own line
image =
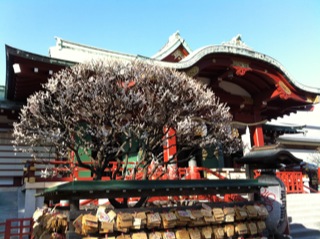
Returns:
<point x="292" y="180"/>
<point x="72" y="172"/>
<point x="20" y="228"/>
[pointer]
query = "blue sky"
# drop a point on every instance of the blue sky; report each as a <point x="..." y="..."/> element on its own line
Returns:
<point x="287" y="30"/>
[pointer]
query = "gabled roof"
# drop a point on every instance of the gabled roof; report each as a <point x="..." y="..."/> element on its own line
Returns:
<point x="175" y="46"/>
<point x="76" y="52"/>
<point x="255" y="86"/>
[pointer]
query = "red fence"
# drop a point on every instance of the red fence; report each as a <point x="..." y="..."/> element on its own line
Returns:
<point x="20" y="228"/>
<point x="292" y="180"/>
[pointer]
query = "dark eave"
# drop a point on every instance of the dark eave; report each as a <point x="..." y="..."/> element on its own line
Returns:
<point x="282" y="129"/>
<point x="300" y="140"/>
<point x="34" y="71"/>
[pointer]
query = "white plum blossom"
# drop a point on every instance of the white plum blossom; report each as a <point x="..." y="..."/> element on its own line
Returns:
<point x="103" y="108"/>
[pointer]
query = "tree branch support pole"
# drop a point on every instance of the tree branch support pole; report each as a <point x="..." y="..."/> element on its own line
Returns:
<point x="257" y="138"/>
<point x="74" y="212"/>
<point x="169" y="153"/>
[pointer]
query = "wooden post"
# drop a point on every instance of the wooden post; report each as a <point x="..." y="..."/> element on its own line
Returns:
<point x="73" y="214"/>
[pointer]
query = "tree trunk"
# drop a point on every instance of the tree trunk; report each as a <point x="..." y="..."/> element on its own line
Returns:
<point x="98" y="174"/>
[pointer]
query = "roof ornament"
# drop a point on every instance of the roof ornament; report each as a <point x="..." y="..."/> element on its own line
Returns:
<point x="174" y="36"/>
<point x="58" y="43"/>
<point x="236" y="42"/>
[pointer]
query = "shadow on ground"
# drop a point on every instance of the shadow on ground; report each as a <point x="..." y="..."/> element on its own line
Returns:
<point x="298" y="230"/>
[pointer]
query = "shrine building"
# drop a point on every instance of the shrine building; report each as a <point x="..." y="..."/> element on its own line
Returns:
<point x="255" y="86"/>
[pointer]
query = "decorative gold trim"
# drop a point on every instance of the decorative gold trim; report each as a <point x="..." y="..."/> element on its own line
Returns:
<point x="241" y="63"/>
<point x="192" y="72"/>
<point x="284" y="88"/>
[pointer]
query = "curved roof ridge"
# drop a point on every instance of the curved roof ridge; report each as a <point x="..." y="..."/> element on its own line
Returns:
<point x="237" y="42"/>
<point x="196" y="55"/>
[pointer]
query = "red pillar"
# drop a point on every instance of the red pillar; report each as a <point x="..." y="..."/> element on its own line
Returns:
<point x="169" y="151"/>
<point x="258" y="139"/>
